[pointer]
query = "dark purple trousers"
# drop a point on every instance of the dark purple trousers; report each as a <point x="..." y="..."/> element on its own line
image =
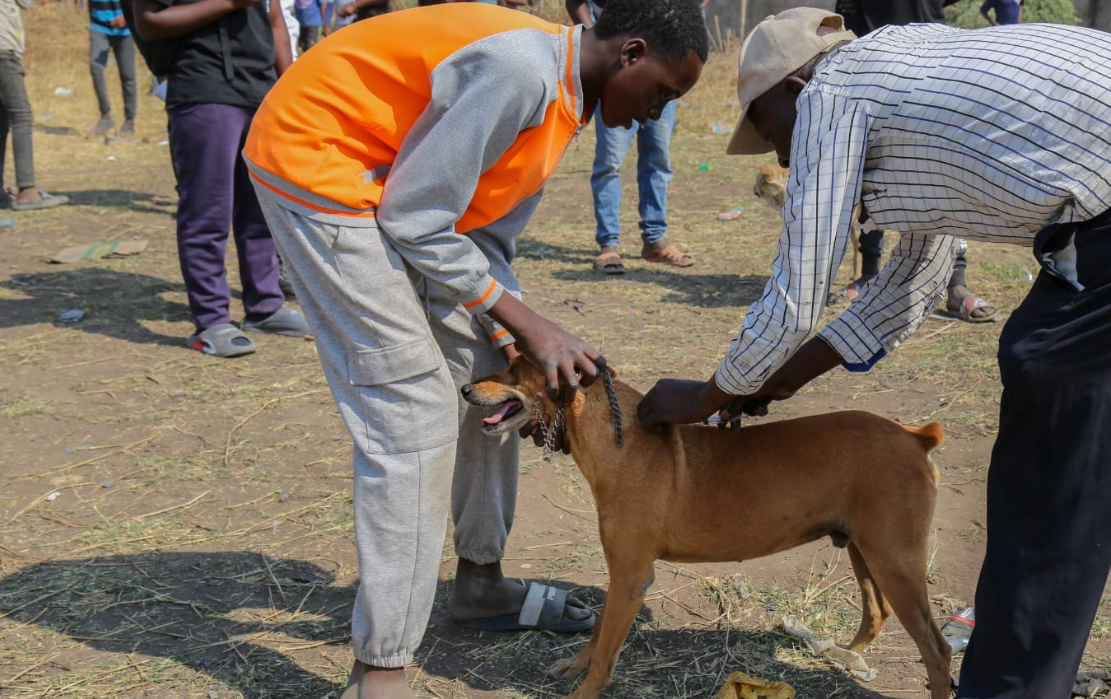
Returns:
<point x="206" y="142"/>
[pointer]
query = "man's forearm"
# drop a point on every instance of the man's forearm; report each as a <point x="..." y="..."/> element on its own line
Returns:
<point x="155" y="24"/>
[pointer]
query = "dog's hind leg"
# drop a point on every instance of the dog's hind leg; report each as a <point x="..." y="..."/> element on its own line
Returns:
<point x="628" y="582"/>
<point x="874" y="606"/>
<point x="901" y="575"/>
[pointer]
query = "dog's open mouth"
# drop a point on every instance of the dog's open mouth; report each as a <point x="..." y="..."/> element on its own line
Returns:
<point x="505" y="411"/>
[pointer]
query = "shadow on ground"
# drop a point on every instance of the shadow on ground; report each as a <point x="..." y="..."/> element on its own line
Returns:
<point x="213" y="613"/>
<point x="114" y="302"/>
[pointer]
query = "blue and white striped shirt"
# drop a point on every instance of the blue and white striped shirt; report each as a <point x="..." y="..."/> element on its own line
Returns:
<point x="102" y="12"/>
<point x="988" y="134"/>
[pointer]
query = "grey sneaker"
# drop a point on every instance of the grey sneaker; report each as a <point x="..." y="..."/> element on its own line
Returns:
<point x="104" y="125"/>
<point x="286" y="285"/>
<point x="128" y="128"/>
<point x="284" y="321"/>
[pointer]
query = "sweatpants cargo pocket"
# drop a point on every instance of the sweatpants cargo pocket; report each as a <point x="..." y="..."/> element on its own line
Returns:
<point x="406" y="397"/>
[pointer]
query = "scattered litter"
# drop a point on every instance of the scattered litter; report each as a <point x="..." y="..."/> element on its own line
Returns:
<point x="575" y="305"/>
<point x="705" y="167"/>
<point x="108" y="484"/>
<point x="284" y="496"/>
<point x="111" y="158"/>
<point x="73" y="315"/>
<point x="163" y="143"/>
<point x="1027" y="274"/>
<point x="731" y="215"/>
<point x="741" y="686"/>
<point x="117" y="248"/>
<point x="959" y="628"/>
<point x="53" y="496"/>
<point x="64" y="92"/>
<point x="722" y="128"/>
<point x="70" y="450"/>
<point x="7" y="223"/>
<point x="213" y="694"/>
<point x="46" y="116"/>
<point x="337" y="438"/>
<point x="526" y="565"/>
<point x="823" y="647"/>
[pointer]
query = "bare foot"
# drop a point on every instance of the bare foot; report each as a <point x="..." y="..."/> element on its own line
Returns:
<point x="377" y="683"/>
<point x="481" y="591"/>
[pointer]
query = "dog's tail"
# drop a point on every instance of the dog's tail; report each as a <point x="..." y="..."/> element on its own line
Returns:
<point x="930" y="437"/>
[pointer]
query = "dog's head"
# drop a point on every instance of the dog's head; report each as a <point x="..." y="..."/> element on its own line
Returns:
<point x="771" y="186"/>
<point x="511" y="393"/>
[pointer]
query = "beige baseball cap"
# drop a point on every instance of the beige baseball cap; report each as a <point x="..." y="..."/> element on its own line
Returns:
<point x="777" y="47"/>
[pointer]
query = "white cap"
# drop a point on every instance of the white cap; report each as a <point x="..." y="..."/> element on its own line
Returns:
<point x="777" y="47"/>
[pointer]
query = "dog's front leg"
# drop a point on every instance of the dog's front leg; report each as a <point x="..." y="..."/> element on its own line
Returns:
<point x="626" y="593"/>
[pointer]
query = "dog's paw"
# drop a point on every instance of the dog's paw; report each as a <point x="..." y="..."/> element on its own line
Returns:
<point x="568" y="668"/>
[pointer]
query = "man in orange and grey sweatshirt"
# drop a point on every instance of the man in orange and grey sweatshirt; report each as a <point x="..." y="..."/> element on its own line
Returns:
<point x="396" y="163"/>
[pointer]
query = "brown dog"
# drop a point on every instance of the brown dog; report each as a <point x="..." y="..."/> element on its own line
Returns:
<point x="771" y="188"/>
<point x="701" y="494"/>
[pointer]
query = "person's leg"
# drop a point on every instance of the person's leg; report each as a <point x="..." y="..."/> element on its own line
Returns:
<point x="871" y="250"/>
<point x="309" y="37"/>
<point x="4" y="128"/>
<point x="204" y="147"/>
<point x="99" y="46"/>
<point x="654" y="173"/>
<point x="484" y="487"/>
<point x="17" y="108"/>
<point x="258" y="258"/>
<point x="1049" y="527"/>
<point x="395" y="393"/>
<point x="605" y="181"/>
<point x="957" y="293"/>
<point x="124" y="48"/>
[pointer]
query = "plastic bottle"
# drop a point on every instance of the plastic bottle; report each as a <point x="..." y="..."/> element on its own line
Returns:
<point x="958" y="630"/>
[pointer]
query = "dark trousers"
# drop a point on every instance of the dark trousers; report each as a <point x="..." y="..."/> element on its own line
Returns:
<point x="309" y="37"/>
<point x="15" y="116"/>
<point x="215" y="192"/>
<point x="871" y="249"/>
<point x="124" y="49"/>
<point x="1049" y="487"/>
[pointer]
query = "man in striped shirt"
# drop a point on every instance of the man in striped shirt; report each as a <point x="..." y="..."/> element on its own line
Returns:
<point x="998" y="134"/>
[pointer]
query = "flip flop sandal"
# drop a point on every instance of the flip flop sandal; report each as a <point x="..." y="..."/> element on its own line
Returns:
<point x="45" y="200"/>
<point x="671" y="255"/>
<point x="223" y="340"/>
<point x="847" y="294"/>
<point x="609" y="263"/>
<point x="969" y="304"/>
<point x="542" y="611"/>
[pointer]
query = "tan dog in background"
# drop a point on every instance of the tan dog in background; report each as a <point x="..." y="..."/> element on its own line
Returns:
<point x="700" y="494"/>
<point x="771" y="188"/>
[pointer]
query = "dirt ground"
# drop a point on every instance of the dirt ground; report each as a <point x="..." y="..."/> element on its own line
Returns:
<point x="178" y="526"/>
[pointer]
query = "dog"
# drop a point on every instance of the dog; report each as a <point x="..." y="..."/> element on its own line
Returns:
<point x="771" y="188"/>
<point x="694" y="493"/>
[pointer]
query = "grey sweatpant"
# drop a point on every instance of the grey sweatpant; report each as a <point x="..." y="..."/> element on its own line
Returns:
<point x="124" y="49"/>
<point x="395" y="350"/>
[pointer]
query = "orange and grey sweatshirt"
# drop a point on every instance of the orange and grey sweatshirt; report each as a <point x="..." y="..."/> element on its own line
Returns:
<point x="429" y="123"/>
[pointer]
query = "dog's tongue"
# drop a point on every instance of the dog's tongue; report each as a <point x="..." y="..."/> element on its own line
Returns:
<point x="497" y="417"/>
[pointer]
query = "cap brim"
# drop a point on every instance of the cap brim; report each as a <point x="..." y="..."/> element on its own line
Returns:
<point x="745" y="140"/>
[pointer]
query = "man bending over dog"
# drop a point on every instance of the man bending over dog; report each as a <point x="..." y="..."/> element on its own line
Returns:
<point x="371" y="156"/>
<point x="1000" y="134"/>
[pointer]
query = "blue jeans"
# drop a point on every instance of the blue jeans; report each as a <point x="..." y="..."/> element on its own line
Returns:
<point x="653" y="176"/>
